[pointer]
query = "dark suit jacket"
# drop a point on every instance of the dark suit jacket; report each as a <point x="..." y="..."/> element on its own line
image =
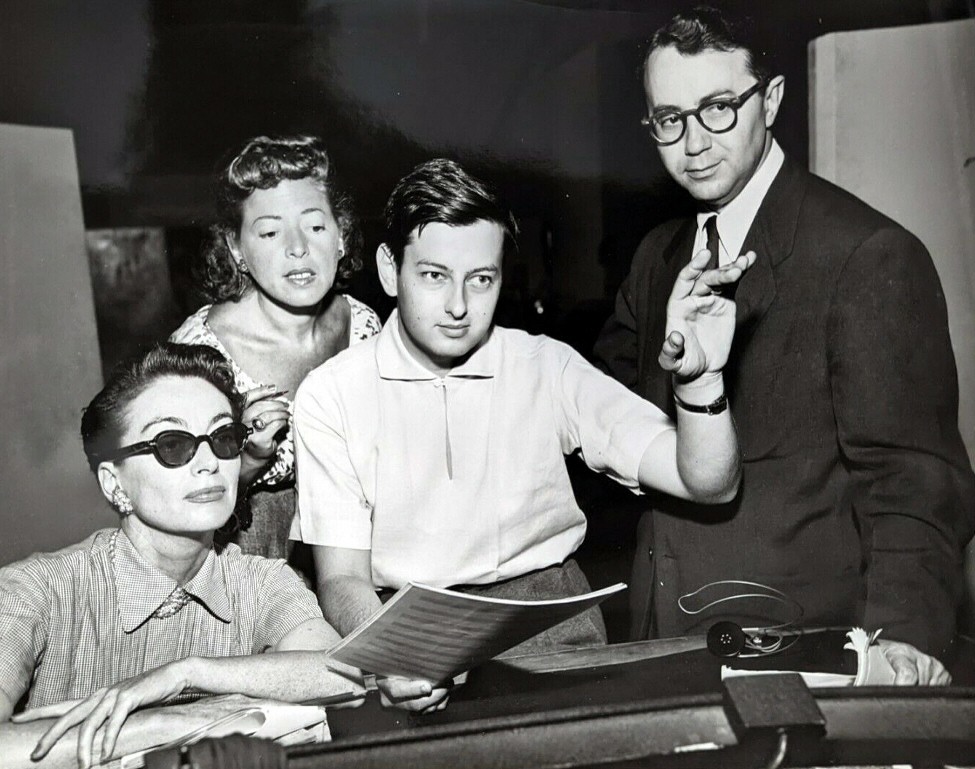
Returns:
<point x="857" y="495"/>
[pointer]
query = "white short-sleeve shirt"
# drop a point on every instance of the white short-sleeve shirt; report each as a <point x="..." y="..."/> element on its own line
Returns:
<point x="459" y="479"/>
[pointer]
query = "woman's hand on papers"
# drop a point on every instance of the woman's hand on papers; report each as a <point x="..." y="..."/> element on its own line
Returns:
<point x="417" y="696"/>
<point x="108" y="707"/>
<point x="913" y="667"/>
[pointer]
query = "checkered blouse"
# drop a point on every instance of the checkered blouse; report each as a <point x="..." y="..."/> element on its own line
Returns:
<point x="78" y="619"/>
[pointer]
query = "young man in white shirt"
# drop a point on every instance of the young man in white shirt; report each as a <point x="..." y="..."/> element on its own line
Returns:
<point x="435" y="452"/>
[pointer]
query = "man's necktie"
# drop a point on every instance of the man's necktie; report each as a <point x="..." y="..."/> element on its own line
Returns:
<point x="711" y="231"/>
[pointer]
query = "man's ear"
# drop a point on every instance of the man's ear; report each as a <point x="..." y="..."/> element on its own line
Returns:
<point x="107" y="479"/>
<point x="774" y="92"/>
<point x="388" y="271"/>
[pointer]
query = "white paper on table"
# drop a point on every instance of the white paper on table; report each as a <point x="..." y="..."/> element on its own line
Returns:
<point x="285" y="723"/>
<point x="812" y="680"/>
<point x="873" y="669"/>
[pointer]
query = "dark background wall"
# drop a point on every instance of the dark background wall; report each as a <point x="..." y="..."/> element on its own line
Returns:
<point x="543" y="98"/>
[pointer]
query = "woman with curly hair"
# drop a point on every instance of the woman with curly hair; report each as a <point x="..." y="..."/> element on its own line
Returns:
<point x="284" y="243"/>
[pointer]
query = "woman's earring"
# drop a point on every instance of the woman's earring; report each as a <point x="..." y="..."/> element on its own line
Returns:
<point x="121" y="502"/>
<point x="242" y="266"/>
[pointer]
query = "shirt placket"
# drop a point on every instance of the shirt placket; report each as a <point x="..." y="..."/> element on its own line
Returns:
<point x="441" y="384"/>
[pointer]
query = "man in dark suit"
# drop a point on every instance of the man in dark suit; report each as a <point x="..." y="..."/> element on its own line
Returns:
<point x="858" y="496"/>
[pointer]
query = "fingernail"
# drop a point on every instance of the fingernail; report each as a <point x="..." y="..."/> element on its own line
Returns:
<point x="35" y="755"/>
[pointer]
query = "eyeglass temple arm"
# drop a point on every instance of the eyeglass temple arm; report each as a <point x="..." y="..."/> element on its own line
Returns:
<point x="128" y="451"/>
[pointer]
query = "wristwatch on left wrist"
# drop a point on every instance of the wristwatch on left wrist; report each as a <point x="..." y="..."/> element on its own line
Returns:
<point x="716" y="406"/>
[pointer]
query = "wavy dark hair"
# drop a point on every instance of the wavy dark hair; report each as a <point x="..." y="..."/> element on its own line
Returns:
<point x="441" y="191"/>
<point x="263" y="163"/>
<point x="705" y="28"/>
<point x="103" y="422"/>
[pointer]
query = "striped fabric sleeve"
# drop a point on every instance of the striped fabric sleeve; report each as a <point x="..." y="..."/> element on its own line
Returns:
<point x="23" y="628"/>
<point x="285" y="604"/>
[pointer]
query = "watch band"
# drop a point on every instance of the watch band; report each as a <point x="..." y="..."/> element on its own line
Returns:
<point x="716" y="406"/>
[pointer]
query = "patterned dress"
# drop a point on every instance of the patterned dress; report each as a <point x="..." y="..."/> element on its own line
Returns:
<point x="272" y="495"/>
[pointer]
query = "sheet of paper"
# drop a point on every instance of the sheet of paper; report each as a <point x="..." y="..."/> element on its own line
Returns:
<point x="282" y="721"/>
<point x="433" y="633"/>
<point x="873" y="669"/>
<point x="812" y="679"/>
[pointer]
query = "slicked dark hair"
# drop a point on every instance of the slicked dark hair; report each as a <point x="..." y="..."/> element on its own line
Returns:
<point x="705" y="28"/>
<point x="264" y="162"/>
<point x="103" y="422"/>
<point x="441" y="191"/>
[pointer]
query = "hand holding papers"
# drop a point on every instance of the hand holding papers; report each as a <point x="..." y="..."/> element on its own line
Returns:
<point x="873" y="669"/>
<point x="434" y="633"/>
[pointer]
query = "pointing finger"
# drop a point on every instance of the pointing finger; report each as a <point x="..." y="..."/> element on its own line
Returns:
<point x="73" y="717"/>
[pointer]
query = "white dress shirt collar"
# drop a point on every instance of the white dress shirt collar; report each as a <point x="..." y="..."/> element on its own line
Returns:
<point x="395" y="361"/>
<point x="735" y="219"/>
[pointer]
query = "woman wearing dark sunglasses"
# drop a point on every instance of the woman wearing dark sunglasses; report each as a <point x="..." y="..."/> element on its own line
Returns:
<point x="150" y="610"/>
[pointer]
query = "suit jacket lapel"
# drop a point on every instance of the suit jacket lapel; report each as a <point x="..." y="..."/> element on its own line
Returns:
<point x="772" y="237"/>
<point x="678" y="252"/>
<point x="676" y="255"/>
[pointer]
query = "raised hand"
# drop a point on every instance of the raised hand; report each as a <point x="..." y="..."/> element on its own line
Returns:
<point x="700" y="319"/>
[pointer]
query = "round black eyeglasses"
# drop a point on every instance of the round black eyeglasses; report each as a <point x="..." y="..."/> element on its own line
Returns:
<point x="175" y="448"/>
<point x="717" y="116"/>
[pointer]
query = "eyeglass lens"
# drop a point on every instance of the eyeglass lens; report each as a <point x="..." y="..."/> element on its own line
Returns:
<point x="716" y="117"/>
<point x="175" y="448"/>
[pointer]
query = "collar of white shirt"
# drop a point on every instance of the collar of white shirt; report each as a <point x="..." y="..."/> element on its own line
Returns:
<point x="394" y="361"/>
<point x="141" y="588"/>
<point x="735" y="219"/>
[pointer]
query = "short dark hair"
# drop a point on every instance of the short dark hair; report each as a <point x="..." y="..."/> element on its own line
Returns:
<point x="704" y="28"/>
<point x="441" y="191"/>
<point x="263" y="163"/>
<point x="103" y="422"/>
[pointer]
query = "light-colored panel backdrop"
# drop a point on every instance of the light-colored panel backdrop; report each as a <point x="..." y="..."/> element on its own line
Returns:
<point x="49" y="361"/>
<point x="892" y="120"/>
